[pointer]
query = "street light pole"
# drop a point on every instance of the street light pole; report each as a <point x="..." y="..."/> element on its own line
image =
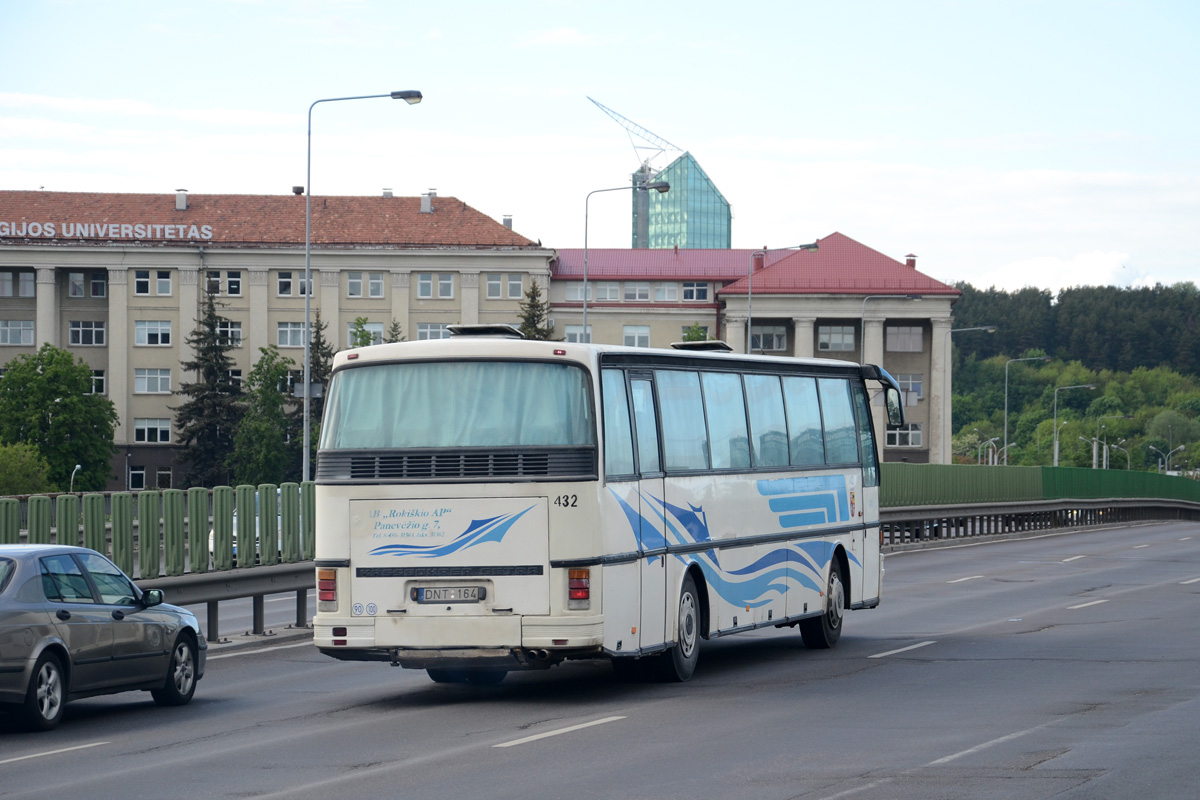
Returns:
<point x="1095" y="451"/>
<point x="1056" y="391"/>
<point x="811" y="246"/>
<point x="662" y="187"/>
<point x="1166" y="456"/>
<point x="409" y="96"/>
<point x="862" y="318"/>
<point x="1010" y="361"/>
<point x="946" y="409"/>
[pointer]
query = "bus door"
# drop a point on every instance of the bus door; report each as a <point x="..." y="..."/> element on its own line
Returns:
<point x="652" y="537"/>
<point x="868" y="507"/>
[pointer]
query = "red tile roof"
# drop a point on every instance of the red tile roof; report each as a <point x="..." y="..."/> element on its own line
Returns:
<point x="250" y="220"/>
<point x="840" y="265"/>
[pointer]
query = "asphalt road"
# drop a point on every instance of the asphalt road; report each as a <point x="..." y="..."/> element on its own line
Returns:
<point x="1064" y="666"/>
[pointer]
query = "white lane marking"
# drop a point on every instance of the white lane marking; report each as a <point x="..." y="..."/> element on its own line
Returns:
<point x="969" y="578"/>
<point x="1193" y="580"/>
<point x="54" y="752"/>
<point x="903" y="649"/>
<point x="1186" y="538"/>
<point x="986" y="745"/>
<point x="1140" y="546"/>
<point x="858" y="789"/>
<point x="259" y="650"/>
<point x="1085" y="605"/>
<point x="1072" y="558"/>
<point x="558" y="732"/>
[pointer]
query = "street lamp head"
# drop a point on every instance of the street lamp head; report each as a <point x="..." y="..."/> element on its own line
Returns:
<point x="662" y="187"/>
<point x="410" y="96"/>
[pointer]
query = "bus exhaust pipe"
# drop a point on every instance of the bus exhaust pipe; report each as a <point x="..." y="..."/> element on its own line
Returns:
<point x="538" y="655"/>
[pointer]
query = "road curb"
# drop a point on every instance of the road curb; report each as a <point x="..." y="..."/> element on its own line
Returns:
<point x="247" y="640"/>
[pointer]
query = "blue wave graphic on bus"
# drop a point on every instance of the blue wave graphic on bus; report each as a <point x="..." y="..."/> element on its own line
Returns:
<point x="812" y="500"/>
<point x="478" y="532"/>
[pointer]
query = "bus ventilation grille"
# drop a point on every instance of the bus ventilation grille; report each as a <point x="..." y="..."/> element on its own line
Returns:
<point x="460" y="465"/>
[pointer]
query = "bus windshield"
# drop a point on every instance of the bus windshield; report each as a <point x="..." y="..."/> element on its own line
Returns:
<point x="459" y="403"/>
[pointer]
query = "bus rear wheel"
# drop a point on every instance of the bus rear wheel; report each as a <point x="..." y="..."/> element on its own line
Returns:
<point x="823" y="632"/>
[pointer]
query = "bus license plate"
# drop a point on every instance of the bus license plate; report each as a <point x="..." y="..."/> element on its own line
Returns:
<point x="450" y="594"/>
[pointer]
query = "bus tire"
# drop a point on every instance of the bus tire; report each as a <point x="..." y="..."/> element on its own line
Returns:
<point x="679" y="663"/>
<point x="823" y="632"/>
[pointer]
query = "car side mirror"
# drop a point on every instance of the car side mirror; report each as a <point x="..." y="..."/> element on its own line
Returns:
<point x="152" y="597"/>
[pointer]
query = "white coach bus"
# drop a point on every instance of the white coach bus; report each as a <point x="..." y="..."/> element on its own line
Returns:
<point x="488" y="503"/>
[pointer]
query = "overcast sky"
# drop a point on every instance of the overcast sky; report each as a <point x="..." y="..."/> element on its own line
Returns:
<point x="1043" y="143"/>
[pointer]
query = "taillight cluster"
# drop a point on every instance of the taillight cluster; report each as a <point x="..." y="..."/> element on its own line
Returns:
<point x="327" y="590"/>
<point x="579" y="589"/>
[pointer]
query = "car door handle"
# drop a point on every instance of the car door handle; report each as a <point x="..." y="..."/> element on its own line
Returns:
<point x="118" y="615"/>
<point x="63" y="614"/>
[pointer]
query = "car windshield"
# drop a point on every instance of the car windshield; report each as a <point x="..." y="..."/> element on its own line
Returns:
<point x="7" y="567"/>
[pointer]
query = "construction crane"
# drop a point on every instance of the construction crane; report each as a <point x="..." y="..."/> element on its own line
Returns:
<point x="654" y="143"/>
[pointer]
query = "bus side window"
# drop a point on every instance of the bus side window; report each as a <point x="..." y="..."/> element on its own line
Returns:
<point x="866" y="437"/>
<point x="618" y="436"/>
<point x="725" y="410"/>
<point x="841" y="436"/>
<point x="807" y="446"/>
<point x="768" y="423"/>
<point x="646" y="422"/>
<point x="685" y="433"/>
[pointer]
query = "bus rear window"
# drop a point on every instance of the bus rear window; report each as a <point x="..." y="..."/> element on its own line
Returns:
<point x="459" y="404"/>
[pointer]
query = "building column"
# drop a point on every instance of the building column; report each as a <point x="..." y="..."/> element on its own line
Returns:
<point x="328" y="300"/>
<point x="400" y="283"/>
<point x="45" y="326"/>
<point x="872" y="343"/>
<point x="735" y="332"/>
<point x="469" y="282"/>
<point x="940" y="411"/>
<point x="258" y="335"/>
<point x="116" y="376"/>
<point x="803" y="329"/>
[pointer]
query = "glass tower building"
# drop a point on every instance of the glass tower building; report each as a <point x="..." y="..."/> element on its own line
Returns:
<point x="693" y="214"/>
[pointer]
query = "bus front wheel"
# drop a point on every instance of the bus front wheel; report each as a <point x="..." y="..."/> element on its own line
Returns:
<point x="823" y="632"/>
<point x="679" y="663"/>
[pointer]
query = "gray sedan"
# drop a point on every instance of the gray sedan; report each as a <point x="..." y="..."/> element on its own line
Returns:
<point x="73" y="625"/>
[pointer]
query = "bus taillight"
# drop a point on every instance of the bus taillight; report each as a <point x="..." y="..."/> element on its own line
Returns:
<point x="579" y="589"/>
<point x="326" y="590"/>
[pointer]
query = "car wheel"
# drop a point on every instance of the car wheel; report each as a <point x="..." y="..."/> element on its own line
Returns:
<point x="180" y="682"/>
<point x="46" y="698"/>
<point x="823" y="632"/>
<point x="679" y="663"/>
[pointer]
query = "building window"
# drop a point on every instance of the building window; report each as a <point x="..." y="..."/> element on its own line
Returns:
<point x="574" y="333"/>
<point x="230" y="332"/>
<point x="425" y="285"/>
<point x="283" y="284"/>
<point x="87" y="333"/>
<point x="432" y="330"/>
<point x="354" y="284"/>
<point x="495" y="285"/>
<point x="375" y="284"/>
<point x="575" y="291"/>
<point x="695" y="292"/>
<point x="16" y="332"/>
<point x="901" y="339"/>
<point x="835" y="338"/>
<point x="6" y="284"/>
<point x="637" y="290"/>
<point x="515" y="287"/>
<point x="152" y="333"/>
<point x="235" y="377"/>
<point x="373" y="328"/>
<point x="637" y="336"/>
<point x="905" y="436"/>
<point x="233" y="283"/>
<point x="99" y="385"/>
<point x="98" y="283"/>
<point x="141" y="281"/>
<point x="609" y="291"/>
<point x="912" y="385"/>
<point x="666" y="292"/>
<point x="768" y="338"/>
<point x="290" y="334"/>
<point x="24" y="284"/>
<point x="152" y="431"/>
<point x="163" y="282"/>
<point x="163" y="477"/>
<point x="446" y="285"/>
<point x="137" y="478"/>
<point x="152" y="381"/>
<point x="75" y="284"/>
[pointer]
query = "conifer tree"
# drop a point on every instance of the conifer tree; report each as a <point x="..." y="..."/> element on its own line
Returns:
<point x="535" y="314"/>
<point x="208" y="419"/>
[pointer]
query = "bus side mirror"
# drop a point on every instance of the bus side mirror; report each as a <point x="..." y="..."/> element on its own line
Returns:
<point x="895" y="407"/>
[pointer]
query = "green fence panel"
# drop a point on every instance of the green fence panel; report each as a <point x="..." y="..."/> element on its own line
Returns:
<point x="95" y="526"/>
<point x="247" y="514"/>
<point x="66" y="519"/>
<point x="308" y="520"/>
<point x="10" y="521"/>
<point x="219" y="552"/>
<point x="289" y="522"/>
<point x="40" y="514"/>
<point x="954" y="484"/>
<point x="122" y="531"/>
<point x="1078" y="482"/>
<point x="198" y="528"/>
<point x="268" y="524"/>
<point x="174" y="530"/>
<point x="150" y="534"/>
